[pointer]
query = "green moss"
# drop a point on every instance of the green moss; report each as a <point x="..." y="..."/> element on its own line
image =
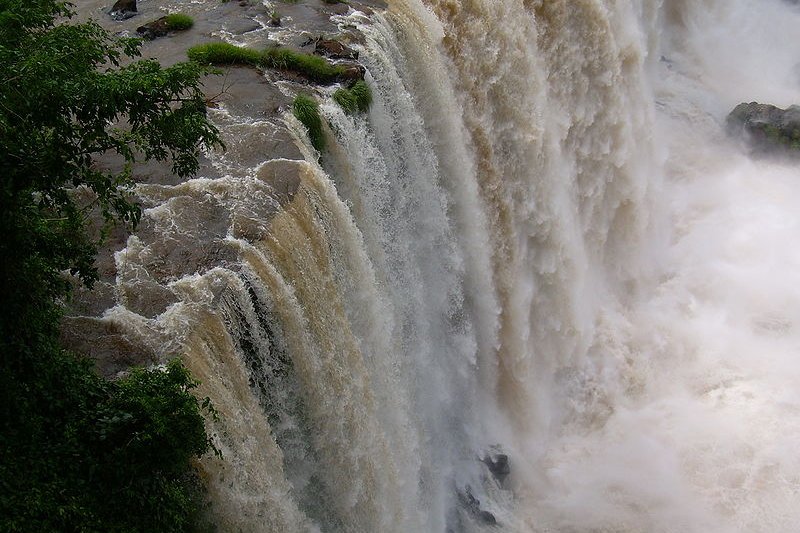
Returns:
<point x="355" y="99"/>
<point x="306" y="110"/>
<point x="223" y="54"/>
<point x="178" y="22"/>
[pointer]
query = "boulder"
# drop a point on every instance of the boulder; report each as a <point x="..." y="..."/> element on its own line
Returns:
<point x="334" y="49"/>
<point x="153" y="30"/>
<point x="123" y="9"/>
<point x="765" y="127"/>
<point x="351" y="72"/>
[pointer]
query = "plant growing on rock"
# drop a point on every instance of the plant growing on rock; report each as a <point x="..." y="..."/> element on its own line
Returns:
<point x="178" y="22"/>
<point x="312" y="67"/>
<point x="220" y="53"/>
<point x="306" y="110"/>
<point x="355" y="99"/>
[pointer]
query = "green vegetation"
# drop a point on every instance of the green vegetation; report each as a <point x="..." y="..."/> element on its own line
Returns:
<point x="178" y="22"/>
<point x="96" y="455"/>
<point x="355" y="99"/>
<point x="224" y="54"/>
<point x="77" y="452"/>
<point x="306" y="110"/>
<point x="313" y="67"/>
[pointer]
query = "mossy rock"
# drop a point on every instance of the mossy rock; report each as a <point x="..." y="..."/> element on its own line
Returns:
<point x="766" y="128"/>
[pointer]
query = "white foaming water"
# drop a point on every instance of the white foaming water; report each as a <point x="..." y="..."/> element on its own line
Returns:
<point x="703" y="423"/>
<point x="537" y="242"/>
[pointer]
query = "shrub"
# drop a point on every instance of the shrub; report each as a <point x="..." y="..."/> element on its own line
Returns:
<point x="84" y="454"/>
<point x="306" y="110"/>
<point x="355" y="99"/>
<point x="178" y="22"/>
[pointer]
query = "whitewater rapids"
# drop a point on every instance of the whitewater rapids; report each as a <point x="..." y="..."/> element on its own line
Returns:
<point x="539" y="242"/>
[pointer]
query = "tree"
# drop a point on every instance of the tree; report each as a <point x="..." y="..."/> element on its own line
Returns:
<point x="67" y="96"/>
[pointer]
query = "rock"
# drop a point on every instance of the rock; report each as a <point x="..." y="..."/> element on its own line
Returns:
<point x="767" y="128"/>
<point x="123" y="9"/>
<point x="498" y="465"/>
<point x="487" y="518"/>
<point x="153" y="30"/>
<point x="240" y="26"/>
<point x="351" y="72"/>
<point x="274" y="20"/>
<point x="334" y="49"/>
<point x="473" y="506"/>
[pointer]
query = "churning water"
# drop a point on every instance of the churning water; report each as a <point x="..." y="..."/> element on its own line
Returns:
<point x="538" y="243"/>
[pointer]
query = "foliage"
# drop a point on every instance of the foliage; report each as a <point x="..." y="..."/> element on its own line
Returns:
<point x="355" y="99"/>
<point x="178" y="22"/>
<point x="306" y="110"/>
<point x="78" y="453"/>
<point x="87" y="454"/>
<point x="313" y="67"/>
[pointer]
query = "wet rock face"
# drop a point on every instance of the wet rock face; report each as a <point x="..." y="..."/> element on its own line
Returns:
<point x="352" y="72"/>
<point x="334" y="49"/>
<point x="123" y="9"/>
<point x="498" y="466"/>
<point x="767" y="128"/>
<point x="473" y="506"/>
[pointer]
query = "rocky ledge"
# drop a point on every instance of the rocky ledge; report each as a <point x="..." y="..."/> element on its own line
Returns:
<point x="259" y="168"/>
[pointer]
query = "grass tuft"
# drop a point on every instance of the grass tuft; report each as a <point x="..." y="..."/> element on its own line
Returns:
<point x="355" y="99"/>
<point x="178" y="22"/>
<point x="223" y="54"/>
<point x="346" y="100"/>
<point x="315" y="68"/>
<point x="306" y="110"/>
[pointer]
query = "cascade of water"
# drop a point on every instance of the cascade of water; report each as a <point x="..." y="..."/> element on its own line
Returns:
<point x="480" y="260"/>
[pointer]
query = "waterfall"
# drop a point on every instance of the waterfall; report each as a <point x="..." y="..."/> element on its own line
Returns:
<point x="537" y="243"/>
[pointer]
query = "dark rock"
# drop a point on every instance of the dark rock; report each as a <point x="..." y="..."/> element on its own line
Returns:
<point x="487" y="518"/>
<point x="766" y="128"/>
<point x="153" y="30"/>
<point x="473" y="506"/>
<point x="334" y="49"/>
<point x="498" y="465"/>
<point x="274" y="20"/>
<point x="351" y="72"/>
<point x="123" y="9"/>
